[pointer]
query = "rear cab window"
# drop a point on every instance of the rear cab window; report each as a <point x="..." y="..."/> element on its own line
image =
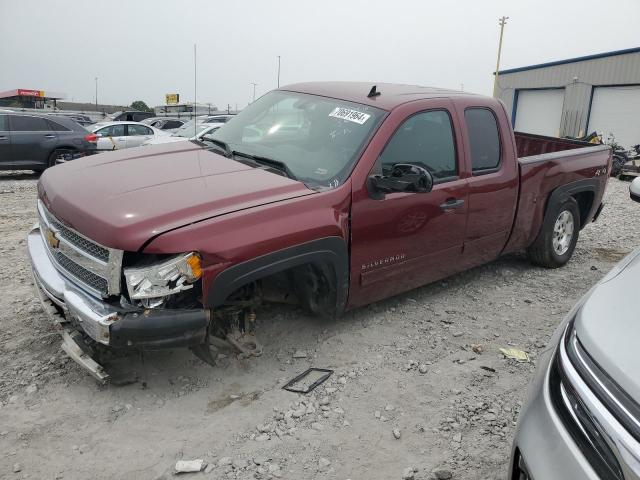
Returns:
<point x="4" y="123"/>
<point x="484" y="140"/>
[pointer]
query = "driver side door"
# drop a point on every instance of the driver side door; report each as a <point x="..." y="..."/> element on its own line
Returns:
<point x="408" y="239"/>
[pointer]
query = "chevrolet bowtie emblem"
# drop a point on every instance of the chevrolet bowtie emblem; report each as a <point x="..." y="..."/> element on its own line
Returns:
<point x="52" y="240"/>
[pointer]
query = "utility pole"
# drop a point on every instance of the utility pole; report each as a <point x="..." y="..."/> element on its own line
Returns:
<point x="96" y="93"/>
<point x="254" y="91"/>
<point x="278" y="71"/>
<point x="503" y="21"/>
<point x="462" y="87"/>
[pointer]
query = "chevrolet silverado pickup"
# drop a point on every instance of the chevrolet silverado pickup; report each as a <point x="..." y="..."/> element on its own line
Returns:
<point x="332" y="195"/>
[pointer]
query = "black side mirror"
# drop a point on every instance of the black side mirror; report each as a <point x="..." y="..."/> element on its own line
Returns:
<point x="404" y="177"/>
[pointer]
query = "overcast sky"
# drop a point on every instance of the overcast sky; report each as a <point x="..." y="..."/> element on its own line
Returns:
<point x="142" y="49"/>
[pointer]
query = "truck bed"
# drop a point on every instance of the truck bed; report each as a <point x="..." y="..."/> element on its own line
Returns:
<point x="528" y="144"/>
<point x="546" y="163"/>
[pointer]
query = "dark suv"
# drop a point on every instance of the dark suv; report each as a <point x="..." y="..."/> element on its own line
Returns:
<point x="35" y="142"/>
<point x="133" y="116"/>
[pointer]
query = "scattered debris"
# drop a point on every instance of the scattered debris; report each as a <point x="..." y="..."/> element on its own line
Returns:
<point x="488" y="369"/>
<point x="299" y="354"/>
<point x="442" y="474"/>
<point x="189" y="466"/>
<point x="319" y="377"/>
<point x="515" y="354"/>
<point x="396" y="433"/>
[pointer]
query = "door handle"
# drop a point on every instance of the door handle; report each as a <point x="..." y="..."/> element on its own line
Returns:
<point x="2" y="137"/>
<point x="49" y="136"/>
<point x="452" y="203"/>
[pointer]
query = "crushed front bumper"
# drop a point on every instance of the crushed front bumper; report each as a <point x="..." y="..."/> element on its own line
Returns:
<point x="72" y="310"/>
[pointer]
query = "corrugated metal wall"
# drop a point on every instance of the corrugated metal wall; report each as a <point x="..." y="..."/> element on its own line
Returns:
<point x="621" y="69"/>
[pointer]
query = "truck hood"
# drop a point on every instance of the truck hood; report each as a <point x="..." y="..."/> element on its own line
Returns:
<point x="124" y="198"/>
<point x="608" y="324"/>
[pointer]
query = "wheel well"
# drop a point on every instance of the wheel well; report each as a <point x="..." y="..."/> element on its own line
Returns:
<point x="324" y="259"/>
<point x="585" y="202"/>
<point x="312" y="285"/>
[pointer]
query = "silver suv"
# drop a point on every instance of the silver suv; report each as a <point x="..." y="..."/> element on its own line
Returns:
<point x="582" y="418"/>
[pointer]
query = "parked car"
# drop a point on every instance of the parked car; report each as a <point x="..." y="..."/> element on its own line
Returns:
<point x="35" y="142"/>
<point x="215" y="118"/>
<point x="374" y="193"/>
<point x="634" y="189"/>
<point x="582" y="417"/>
<point x="167" y="124"/>
<point x="80" y="119"/>
<point x="131" y="116"/>
<point x="119" y="135"/>
<point x="186" y="133"/>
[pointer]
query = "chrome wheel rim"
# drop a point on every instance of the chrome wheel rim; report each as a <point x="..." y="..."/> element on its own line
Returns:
<point x="563" y="232"/>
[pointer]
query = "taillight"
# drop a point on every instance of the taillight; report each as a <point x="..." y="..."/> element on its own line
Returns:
<point x="92" y="138"/>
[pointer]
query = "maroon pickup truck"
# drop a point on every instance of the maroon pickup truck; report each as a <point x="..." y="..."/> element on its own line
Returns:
<point x="333" y="195"/>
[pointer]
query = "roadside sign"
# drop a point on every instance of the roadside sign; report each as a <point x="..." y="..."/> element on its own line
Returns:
<point x="172" y="98"/>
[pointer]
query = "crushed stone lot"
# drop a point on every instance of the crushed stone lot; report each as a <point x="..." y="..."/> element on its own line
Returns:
<point x="420" y="389"/>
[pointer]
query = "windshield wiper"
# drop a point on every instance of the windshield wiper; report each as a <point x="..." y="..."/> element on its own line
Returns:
<point x="269" y="162"/>
<point x="221" y="146"/>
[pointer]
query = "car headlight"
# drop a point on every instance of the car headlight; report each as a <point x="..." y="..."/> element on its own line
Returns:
<point x="164" y="278"/>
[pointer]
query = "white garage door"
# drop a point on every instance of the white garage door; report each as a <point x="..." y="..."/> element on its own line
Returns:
<point x="616" y="110"/>
<point x="539" y="111"/>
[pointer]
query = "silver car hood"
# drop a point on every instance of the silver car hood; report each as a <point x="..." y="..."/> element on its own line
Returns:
<point x="608" y="324"/>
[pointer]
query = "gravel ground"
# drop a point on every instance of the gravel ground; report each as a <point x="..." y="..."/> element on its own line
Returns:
<point x="420" y="389"/>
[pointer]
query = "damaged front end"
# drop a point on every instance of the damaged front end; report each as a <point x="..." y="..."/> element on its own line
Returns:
<point x="79" y="283"/>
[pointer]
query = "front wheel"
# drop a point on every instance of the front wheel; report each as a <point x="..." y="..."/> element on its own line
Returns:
<point x="558" y="236"/>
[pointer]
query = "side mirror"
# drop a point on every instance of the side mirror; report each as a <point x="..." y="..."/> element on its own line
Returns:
<point x="634" y="190"/>
<point x="403" y="178"/>
<point x="207" y="136"/>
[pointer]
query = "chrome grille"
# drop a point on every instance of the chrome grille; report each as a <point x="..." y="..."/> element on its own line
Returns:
<point x="79" y="241"/>
<point x="95" y="268"/>
<point x="85" y="276"/>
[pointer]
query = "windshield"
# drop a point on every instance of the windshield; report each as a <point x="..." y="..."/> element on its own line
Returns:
<point x="190" y="129"/>
<point x="317" y="139"/>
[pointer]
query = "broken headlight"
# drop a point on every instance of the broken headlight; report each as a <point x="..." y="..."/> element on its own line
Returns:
<point x="153" y="282"/>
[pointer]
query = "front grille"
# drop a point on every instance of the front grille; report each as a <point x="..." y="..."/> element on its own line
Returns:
<point x="77" y="240"/>
<point x="583" y="427"/>
<point x="82" y="260"/>
<point x="92" y="280"/>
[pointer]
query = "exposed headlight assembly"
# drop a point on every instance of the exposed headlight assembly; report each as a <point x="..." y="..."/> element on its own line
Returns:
<point x="162" y="279"/>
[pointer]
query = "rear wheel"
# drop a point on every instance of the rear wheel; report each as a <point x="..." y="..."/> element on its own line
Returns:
<point x="558" y="236"/>
<point x="56" y="155"/>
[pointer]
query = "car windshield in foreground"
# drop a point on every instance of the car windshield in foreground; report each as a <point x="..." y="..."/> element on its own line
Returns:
<point x="316" y="140"/>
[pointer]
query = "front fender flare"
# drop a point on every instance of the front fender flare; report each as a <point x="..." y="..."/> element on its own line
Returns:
<point x="331" y="250"/>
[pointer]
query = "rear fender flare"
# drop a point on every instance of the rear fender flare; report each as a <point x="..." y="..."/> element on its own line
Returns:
<point x="563" y="192"/>
<point x="331" y="250"/>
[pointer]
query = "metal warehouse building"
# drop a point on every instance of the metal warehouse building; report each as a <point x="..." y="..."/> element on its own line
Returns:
<point x="576" y="96"/>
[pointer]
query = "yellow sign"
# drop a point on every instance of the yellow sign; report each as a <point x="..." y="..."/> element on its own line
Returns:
<point x="172" y="98"/>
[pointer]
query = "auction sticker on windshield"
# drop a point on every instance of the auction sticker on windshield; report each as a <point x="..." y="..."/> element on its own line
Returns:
<point x="350" y="115"/>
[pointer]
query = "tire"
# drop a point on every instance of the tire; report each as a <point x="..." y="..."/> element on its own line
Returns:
<point x="53" y="158"/>
<point x="558" y="235"/>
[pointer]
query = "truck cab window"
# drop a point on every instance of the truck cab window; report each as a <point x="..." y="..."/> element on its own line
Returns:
<point x="484" y="139"/>
<point x="426" y="140"/>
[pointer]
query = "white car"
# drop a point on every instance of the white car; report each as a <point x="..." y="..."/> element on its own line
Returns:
<point x="119" y="135"/>
<point x="188" y="131"/>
